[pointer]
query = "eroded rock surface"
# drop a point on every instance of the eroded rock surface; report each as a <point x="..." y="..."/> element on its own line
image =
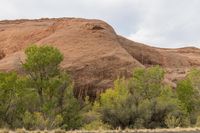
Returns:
<point x="93" y="53"/>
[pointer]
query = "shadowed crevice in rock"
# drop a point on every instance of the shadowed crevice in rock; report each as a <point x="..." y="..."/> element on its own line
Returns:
<point x="97" y="27"/>
<point x="2" y="54"/>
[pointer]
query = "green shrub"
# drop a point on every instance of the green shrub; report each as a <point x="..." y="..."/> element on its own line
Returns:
<point x="114" y="107"/>
<point x="172" y="121"/>
<point x="96" y="125"/>
<point x="141" y="102"/>
<point x="198" y="122"/>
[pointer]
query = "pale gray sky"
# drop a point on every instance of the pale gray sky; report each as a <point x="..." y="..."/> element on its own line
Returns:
<point x="162" y="23"/>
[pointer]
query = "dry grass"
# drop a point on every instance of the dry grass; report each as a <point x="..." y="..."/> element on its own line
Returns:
<point x="176" y="130"/>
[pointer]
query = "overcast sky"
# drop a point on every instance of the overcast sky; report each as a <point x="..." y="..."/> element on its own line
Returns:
<point x="163" y="23"/>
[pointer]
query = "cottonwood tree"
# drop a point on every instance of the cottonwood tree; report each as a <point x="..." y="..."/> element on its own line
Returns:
<point x="53" y="87"/>
<point x="188" y="91"/>
<point x="13" y="99"/>
<point x="42" y="64"/>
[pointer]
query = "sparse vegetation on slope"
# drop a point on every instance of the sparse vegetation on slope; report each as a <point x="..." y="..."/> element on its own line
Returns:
<point x="43" y="98"/>
<point x="93" y="53"/>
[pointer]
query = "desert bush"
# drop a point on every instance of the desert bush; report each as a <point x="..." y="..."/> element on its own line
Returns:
<point x="113" y="105"/>
<point x="172" y="121"/>
<point x="141" y="102"/>
<point x="37" y="121"/>
<point x="96" y="125"/>
<point x="198" y="122"/>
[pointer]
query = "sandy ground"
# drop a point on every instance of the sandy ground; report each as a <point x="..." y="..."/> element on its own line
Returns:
<point x="176" y="130"/>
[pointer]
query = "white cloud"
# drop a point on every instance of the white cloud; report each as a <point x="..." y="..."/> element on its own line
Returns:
<point x="169" y="23"/>
<point x="163" y="23"/>
<point x="7" y="9"/>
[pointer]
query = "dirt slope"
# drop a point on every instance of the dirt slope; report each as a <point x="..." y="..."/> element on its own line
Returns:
<point x="94" y="54"/>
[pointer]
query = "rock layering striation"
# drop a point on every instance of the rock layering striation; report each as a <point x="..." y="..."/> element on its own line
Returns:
<point x="94" y="54"/>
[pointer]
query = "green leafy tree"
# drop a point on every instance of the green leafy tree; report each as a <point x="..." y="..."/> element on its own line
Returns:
<point x="113" y="105"/>
<point x="13" y="100"/>
<point x="188" y="91"/>
<point x="166" y="104"/>
<point x="42" y="97"/>
<point x="53" y="87"/>
<point x="147" y="82"/>
<point x="140" y="102"/>
<point x="42" y="64"/>
<point x="186" y="94"/>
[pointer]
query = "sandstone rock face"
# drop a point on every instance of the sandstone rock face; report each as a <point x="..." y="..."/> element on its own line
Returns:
<point x="94" y="54"/>
<point x="2" y="54"/>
